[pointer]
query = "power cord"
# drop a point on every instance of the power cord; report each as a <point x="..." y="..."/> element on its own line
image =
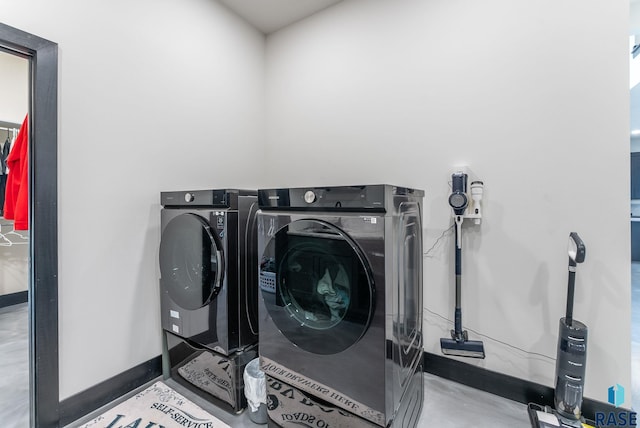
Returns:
<point x="442" y="235"/>
<point x="494" y="339"/>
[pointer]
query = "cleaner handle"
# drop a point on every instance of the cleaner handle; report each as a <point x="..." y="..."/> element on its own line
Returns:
<point x="577" y="251"/>
<point x="570" y="292"/>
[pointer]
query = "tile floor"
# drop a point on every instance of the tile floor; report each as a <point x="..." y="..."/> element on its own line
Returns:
<point x="14" y="366"/>
<point x="447" y="404"/>
<point x="14" y="258"/>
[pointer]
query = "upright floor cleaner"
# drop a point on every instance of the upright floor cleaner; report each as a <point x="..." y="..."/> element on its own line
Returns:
<point x="572" y="345"/>
<point x="459" y="344"/>
<point x="571" y="358"/>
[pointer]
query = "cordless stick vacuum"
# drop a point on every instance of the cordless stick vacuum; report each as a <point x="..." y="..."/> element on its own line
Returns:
<point x="459" y="344"/>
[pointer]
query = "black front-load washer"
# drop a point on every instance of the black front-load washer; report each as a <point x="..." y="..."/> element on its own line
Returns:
<point x="208" y="285"/>
<point x="340" y="307"/>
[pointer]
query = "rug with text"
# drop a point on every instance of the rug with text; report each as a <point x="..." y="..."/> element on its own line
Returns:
<point x="158" y="406"/>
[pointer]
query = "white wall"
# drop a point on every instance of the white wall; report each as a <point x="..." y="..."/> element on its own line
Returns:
<point x="14" y="88"/>
<point x="534" y="97"/>
<point x="153" y="95"/>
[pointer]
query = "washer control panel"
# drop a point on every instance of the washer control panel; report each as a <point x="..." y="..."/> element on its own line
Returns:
<point x="218" y="223"/>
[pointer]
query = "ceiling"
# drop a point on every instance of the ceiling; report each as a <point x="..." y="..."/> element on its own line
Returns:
<point x="271" y="15"/>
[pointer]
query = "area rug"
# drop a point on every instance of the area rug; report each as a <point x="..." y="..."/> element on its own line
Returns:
<point x="156" y="407"/>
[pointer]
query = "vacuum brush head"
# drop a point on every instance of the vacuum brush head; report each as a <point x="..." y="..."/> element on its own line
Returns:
<point x="464" y="348"/>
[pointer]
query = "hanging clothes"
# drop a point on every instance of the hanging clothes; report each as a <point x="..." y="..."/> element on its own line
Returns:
<point x="6" y="149"/>
<point x="3" y="156"/>
<point x="16" y="203"/>
<point x="4" y="153"/>
<point x="3" y="185"/>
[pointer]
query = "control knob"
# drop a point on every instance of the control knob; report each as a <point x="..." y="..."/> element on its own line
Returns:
<point x="309" y="197"/>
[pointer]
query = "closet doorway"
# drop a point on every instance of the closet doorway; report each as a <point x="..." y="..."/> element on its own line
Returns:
<point x="42" y="56"/>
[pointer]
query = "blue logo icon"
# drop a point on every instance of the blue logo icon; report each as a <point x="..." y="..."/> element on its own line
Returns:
<point x="616" y="395"/>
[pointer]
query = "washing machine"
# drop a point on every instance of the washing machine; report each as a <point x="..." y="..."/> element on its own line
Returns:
<point x="208" y="286"/>
<point x="340" y="311"/>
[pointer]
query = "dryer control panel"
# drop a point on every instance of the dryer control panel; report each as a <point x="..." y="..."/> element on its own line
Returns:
<point x="337" y="198"/>
<point x="370" y="197"/>
<point x="218" y="198"/>
<point x="200" y="198"/>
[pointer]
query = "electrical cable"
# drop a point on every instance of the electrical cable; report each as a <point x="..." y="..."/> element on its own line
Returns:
<point x="442" y="235"/>
<point x="494" y="339"/>
<point x="426" y="254"/>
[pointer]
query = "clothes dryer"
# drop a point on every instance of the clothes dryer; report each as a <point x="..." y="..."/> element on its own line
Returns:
<point x="208" y="269"/>
<point x="340" y="311"/>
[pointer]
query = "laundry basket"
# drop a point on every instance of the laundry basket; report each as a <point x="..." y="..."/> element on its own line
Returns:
<point x="268" y="281"/>
<point x="255" y="389"/>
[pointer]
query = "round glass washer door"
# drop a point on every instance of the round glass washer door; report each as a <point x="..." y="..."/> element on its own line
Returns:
<point x="320" y="291"/>
<point x="191" y="261"/>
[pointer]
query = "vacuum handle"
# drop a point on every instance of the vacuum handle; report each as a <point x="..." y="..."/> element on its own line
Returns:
<point x="458" y="262"/>
<point x="570" y="293"/>
<point x="458" y="220"/>
<point x="577" y="250"/>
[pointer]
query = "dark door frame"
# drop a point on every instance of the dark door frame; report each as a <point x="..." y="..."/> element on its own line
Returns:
<point x="44" y="395"/>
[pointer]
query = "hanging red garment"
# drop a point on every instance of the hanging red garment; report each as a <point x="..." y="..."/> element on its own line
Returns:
<point x="16" y="203"/>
